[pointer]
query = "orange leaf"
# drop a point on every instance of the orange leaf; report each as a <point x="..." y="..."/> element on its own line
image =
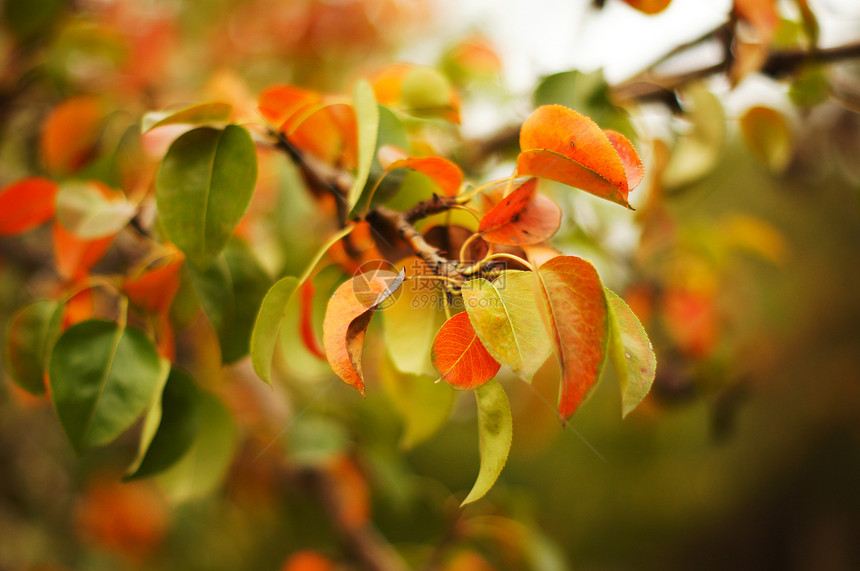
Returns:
<point x="573" y="307"/>
<point x="350" y="487"/>
<point x="70" y="133"/>
<point x="280" y="102"/>
<point x="26" y="204"/>
<point x="307" y="561"/>
<point x="562" y="145"/>
<point x="79" y="307"/>
<point x="460" y="356"/>
<point x="649" y="6"/>
<point x="306" y="302"/>
<point x="347" y="316"/>
<point x="74" y="256"/>
<point x="522" y="217"/>
<point x="447" y="175"/>
<point x="155" y="289"/>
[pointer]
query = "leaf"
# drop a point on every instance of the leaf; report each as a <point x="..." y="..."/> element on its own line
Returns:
<point x="562" y="145"/>
<point x="410" y="323"/>
<point x="347" y="316"/>
<point x="382" y="185"/>
<point x="200" y="114"/>
<point x="231" y="291"/>
<point x="73" y="256"/>
<point x="588" y="93"/>
<point x="155" y="288"/>
<point x="523" y="217"/>
<point x="631" y="352"/>
<point x="70" y="134"/>
<point x="103" y="377"/>
<point x="506" y="319"/>
<point x="698" y="150"/>
<point x="90" y="212"/>
<point x="649" y="7"/>
<point x="274" y="307"/>
<point x="26" y="204"/>
<point x="179" y="422"/>
<point x="573" y="307"/>
<point x="33" y="329"/>
<point x="306" y="326"/>
<point x="767" y="134"/>
<point x="204" y="187"/>
<point x="264" y="336"/>
<point x="459" y="355"/>
<point x="367" y="119"/>
<point x="200" y="471"/>
<point x="444" y="173"/>
<point x="423" y="405"/>
<point x="495" y="432"/>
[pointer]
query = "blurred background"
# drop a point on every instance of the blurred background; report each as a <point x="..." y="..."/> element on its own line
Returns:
<point x="740" y="260"/>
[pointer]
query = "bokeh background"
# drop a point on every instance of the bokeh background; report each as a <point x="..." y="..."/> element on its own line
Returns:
<point x="741" y="261"/>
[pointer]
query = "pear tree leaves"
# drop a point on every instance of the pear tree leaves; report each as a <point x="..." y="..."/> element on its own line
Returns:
<point x="203" y="189"/>
<point x="103" y="377"/>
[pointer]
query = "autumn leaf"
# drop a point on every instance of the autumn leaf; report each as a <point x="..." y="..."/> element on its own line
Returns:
<point x="347" y="316"/>
<point x="573" y="307"/>
<point x="26" y="204"/>
<point x="70" y="133"/>
<point x="75" y="256"/>
<point x="306" y="303"/>
<point x="444" y="173"/>
<point x="631" y="352"/>
<point x="522" y="217"/>
<point x="155" y="288"/>
<point x="505" y="317"/>
<point x="459" y="355"/>
<point x="562" y="145"/>
<point x="648" y="6"/>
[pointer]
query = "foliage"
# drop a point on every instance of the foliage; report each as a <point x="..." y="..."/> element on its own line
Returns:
<point x="170" y="256"/>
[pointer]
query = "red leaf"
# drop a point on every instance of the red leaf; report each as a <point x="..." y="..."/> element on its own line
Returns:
<point x="522" y="217"/>
<point x="73" y="256"/>
<point x="26" y="204"/>
<point x="280" y="102"/>
<point x="573" y="307"/>
<point x="633" y="167"/>
<point x="154" y="289"/>
<point x="459" y="355"/>
<point x="347" y="316"/>
<point x="70" y="133"/>
<point x="306" y="302"/>
<point x="562" y="145"/>
<point x="447" y="175"/>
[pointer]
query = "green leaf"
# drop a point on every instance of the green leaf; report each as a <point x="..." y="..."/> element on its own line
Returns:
<point x="423" y="405"/>
<point x="30" y="337"/>
<point x="87" y="213"/>
<point x="375" y="192"/>
<point x="103" y="377"/>
<point x="204" y="187"/>
<point x="698" y="150"/>
<point x="495" y="431"/>
<point x="201" y="114"/>
<point x="177" y="416"/>
<point x="249" y="285"/>
<point x="264" y="336"/>
<point x="200" y="471"/>
<point x="411" y="322"/>
<point x="367" y="119"/>
<point x="505" y="316"/>
<point x="231" y="291"/>
<point x="631" y="353"/>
